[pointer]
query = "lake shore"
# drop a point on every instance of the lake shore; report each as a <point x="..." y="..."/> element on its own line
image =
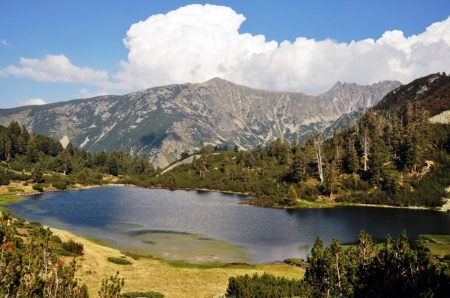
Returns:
<point x="5" y="192"/>
<point x="173" y="279"/>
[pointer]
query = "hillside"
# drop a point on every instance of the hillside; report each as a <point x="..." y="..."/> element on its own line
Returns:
<point x="392" y="154"/>
<point x="163" y="122"/>
<point x="431" y="93"/>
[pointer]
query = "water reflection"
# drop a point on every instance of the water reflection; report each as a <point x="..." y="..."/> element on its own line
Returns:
<point x="175" y="224"/>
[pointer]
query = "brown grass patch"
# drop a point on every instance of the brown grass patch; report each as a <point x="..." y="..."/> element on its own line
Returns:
<point x="148" y="274"/>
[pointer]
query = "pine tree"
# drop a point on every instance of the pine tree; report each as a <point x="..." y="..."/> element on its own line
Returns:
<point x="291" y="197"/>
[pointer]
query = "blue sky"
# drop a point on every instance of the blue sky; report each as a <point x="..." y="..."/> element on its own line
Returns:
<point x="59" y="50"/>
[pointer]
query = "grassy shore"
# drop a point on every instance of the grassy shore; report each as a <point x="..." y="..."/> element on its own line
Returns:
<point x="172" y="278"/>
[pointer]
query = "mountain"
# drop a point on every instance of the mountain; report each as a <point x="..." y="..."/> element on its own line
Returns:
<point x="162" y="122"/>
<point x="431" y="93"/>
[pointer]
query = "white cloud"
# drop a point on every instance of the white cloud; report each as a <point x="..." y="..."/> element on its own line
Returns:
<point x="56" y="68"/>
<point x="195" y="43"/>
<point x="198" y="42"/>
<point x="4" y="42"/>
<point x="30" y="102"/>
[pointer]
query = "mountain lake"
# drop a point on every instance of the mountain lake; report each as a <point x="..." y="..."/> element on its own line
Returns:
<point x="198" y="226"/>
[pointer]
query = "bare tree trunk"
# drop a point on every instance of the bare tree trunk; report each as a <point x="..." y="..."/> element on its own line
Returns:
<point x="318" y="147"/>
<point x="366" y="149"/>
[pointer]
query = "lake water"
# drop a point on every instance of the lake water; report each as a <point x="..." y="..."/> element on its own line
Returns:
<point x="205" y="226"/>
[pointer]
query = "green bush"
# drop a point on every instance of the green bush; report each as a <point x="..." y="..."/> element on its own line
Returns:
<point x="59" y="184"/>
<point x="56" y="239"/>
<point x="73" y="247"/>
<point x="4" y="177"/>
<point x="308" y="192"/>
<point x="38" y="188"/>
<point x="19" y="222"/>
<point x="264" y="286"/>
<point x="296" y="262"/>
<point x="150" y="294"/>
<point x="119" y="261"/>
<point x="34" y="224"/>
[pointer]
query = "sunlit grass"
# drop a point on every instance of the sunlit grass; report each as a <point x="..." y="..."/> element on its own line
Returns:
<point x="172" y="278"/>
<point x="438" y="244"/>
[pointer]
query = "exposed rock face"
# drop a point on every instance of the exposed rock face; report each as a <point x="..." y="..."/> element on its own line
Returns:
<point x="163" y="122"/>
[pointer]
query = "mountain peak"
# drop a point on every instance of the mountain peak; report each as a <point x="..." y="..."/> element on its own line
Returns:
<point x="217" y="80"/>
<point x="337" y="85"/>
<point x="161" y="122"/>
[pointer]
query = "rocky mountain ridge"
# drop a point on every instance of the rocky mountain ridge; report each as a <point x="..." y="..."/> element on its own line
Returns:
<point x="162" y="122"/>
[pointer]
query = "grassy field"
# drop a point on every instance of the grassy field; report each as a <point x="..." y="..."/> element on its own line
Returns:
<point x="438" y="244"/>
<point x="172" y="278"/>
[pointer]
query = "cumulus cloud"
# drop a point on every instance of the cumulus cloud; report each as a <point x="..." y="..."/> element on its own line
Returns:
<point x="195" y="43"/>
<point x="56" y="68"/>
<point x="198" y="42"/>
<point x="30" y="102"/>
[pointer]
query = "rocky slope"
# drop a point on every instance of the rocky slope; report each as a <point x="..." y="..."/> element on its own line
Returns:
<point x="163" y="122"/>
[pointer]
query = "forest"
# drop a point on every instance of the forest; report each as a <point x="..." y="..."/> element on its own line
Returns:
<point x="42" y="161"/>
<point x="389" y="157"/>
<point x="394" y="269"/>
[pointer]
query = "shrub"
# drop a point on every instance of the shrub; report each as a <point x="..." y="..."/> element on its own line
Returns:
<point x="19" y="222"/>
<point x="119" y="261"/>
<point x="59" y="184"/>
<point x="34" y="224"/>
<point x="150" y="294"/>
<point x="308" y="192"/>
<point x="38" y="188"/>
<point x="296" y="262"/>
<point x="73" y="247"/>
<point x="264" y="286"/>
<point x="4" y="177"/>
<point x="266" y="201"/>
<point x="56" y="239"/>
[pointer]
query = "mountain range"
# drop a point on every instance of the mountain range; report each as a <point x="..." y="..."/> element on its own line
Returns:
<point x="162" y="122"/>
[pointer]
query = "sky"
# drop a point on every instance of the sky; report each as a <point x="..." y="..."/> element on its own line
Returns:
<point x="54" y="50"/>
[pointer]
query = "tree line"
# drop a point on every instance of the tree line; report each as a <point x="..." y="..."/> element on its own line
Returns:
<point x="394" y="269"/>
<point x="29" y="156"/>
<point x="394" y="157"/>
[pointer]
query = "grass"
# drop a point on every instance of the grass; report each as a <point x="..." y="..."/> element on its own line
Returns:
<point x="119" y="261"/>
<point x="438" y="244"/>
<point x="184" y="264"/>
<point x="171" y="278"/>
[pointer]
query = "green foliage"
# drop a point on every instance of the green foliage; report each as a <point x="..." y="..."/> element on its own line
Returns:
<point x="38" y="188"/>
<point x="31" y="156"/>
<point x="60" y="184"/>
<point x="31" y="268"/>
<point x="291" y="197"/>
<point x="73" y="247"/>
<point x="263" y="286"/>
<point x="4" y="177"/>
<point x="365" y="270"/>
<point x="119" y="261"/>
<point x="111" y="287"/>
<point x="296" y="262"/>
<point x="37" y="173"/>
<point x="149" y="294"/>
<point x="266" y="201"/>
